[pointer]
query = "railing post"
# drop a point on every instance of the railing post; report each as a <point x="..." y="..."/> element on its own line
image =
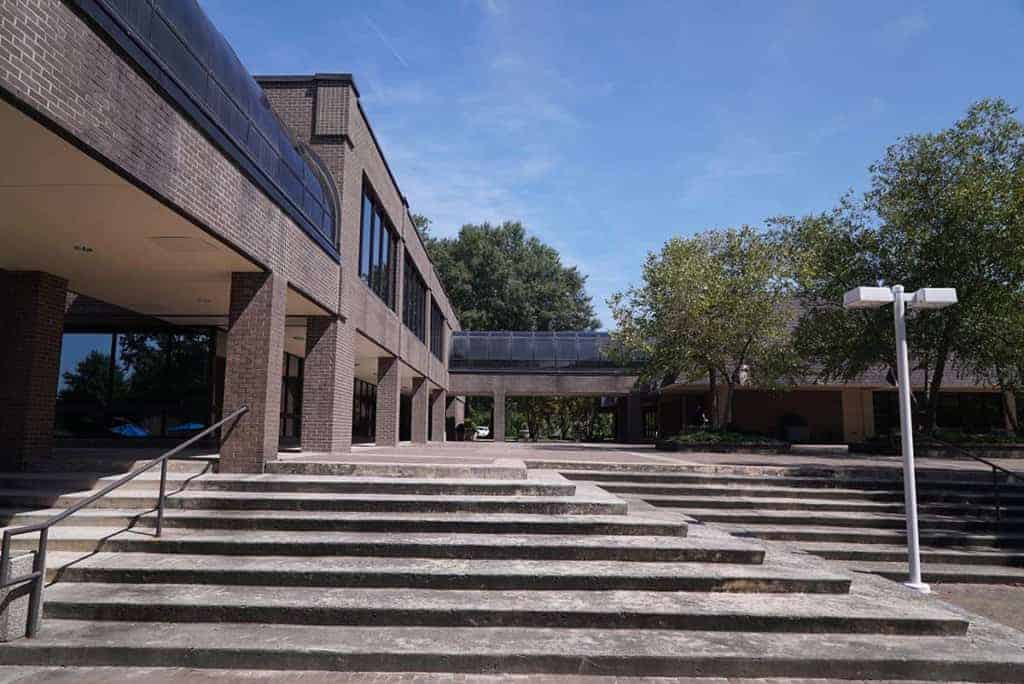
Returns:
<point x="35" y="601"/>
<point x="160" y="500"/>
<point x="995" y="491"/>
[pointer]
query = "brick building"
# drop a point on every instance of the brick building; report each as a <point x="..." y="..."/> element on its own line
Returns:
<point x="181" y="238"/>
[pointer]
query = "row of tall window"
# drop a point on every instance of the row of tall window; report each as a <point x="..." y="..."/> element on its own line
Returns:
<point x="436" y="331"/>
<point x="414" y="301"/>
<point x="378" y="245"/>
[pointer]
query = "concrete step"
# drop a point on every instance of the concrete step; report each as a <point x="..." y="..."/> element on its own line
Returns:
<point x="79" y="481"/>
<point x="897" y="553"/>
<point x="519" y="650"/>
<point x="867" y="535"/>
<point x="108" y="462"/>
<point x="304" y="521"/>
<point x="981" y="499"/>
<point x="749" y="490"/>
<point x="448" y="573"/>
<point x="497" y="469"/>
<point x="535" y="486"/>
<point x="598" y="504"/>
<point x="495" y="546"/>
<point x="687" y="503"/>
<point x="814" y="506"/>
<point x="880" y="521"/>
<point x="834" y="480"/>
<point x="944" y="572"/>
<point x="461" y="608"/>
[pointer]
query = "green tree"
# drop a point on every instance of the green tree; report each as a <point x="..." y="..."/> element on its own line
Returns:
<point x="498" y="278"/>
<point x="91" y="380"/>
<point x="717" y="306"/>
<point x="422" y="225"/>
<point x="944" y="209"/>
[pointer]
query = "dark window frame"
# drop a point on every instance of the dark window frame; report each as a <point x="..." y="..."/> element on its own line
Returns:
<point x="414" y="300"/>
<point x="437" y="324"/>
<point x="378" y="269"/>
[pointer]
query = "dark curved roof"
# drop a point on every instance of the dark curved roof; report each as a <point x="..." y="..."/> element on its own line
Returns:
<point x="180" y="49"/>
<point x="518" y="351"/>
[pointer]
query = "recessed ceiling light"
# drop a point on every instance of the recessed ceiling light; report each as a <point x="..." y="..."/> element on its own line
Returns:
<point x="299" y="338"/>
<point x="85" y="249"/>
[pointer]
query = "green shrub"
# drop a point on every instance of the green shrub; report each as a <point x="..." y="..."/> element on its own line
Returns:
<point x="722" y="437"/>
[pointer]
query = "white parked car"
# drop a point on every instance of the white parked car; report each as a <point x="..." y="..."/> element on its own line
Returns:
<point x="483" y="431"/>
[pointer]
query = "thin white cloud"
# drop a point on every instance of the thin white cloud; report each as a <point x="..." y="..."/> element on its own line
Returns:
<point x="387" y="43"/>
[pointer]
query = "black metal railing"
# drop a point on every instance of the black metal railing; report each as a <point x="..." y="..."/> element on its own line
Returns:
<point x="38" y="574"/>
<point x="1010" y="476"/>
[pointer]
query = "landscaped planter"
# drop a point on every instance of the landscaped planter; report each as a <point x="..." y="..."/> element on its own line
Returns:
<point x="718" y="447"/>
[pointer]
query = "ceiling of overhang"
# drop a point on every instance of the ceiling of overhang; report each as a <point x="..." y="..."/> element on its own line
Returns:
<point x="65" y="213"/>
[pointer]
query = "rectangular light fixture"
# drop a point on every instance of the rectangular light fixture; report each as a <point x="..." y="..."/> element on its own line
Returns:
<point x="933" y="297"/>
<point x="867" y="298"/>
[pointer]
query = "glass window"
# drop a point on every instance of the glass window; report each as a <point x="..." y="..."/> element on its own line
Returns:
<point x="365" y="239"/>
<point x="377" y="245"/>
<point x="414" y="300"/>
<point x="437" y="325"/>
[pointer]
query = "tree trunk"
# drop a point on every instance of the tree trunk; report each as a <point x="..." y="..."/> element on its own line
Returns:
<point x="730" y="391"/>
<point x="716" y="422"/>
<point x="1010" y="416"/>
<point x="935" y="386"/>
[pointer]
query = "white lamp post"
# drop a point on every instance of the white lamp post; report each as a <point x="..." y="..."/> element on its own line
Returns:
<point x="925" y="298"/>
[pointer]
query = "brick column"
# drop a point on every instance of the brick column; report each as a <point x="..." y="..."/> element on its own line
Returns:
<point x="499" y="417"/>
<point x="327" y="379"/>
<point x="420" y="410"/>
<point x="252" y="373"/>
<point x="31" y="328"/>
<point x="634" y="419"/>
<point x="389" y="397"/>
<point x="438" y="411"/>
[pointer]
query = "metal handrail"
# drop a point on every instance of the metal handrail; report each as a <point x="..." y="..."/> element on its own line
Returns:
<point x="38" y="574"/>
<point x="1013" y="477"/>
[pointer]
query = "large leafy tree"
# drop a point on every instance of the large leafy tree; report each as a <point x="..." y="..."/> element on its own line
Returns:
<point x="499" y="278"/>
<point x="714" y="305"/>
<point x="944" y="209"/>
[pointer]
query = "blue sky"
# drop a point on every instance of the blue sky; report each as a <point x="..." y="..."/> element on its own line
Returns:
<point x="609" y="127"/>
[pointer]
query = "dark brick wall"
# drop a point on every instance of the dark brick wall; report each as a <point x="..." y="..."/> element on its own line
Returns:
<point x="389" y="398"/>
<point x="327" y="386"/>
<point x="420" y="410"/>
<point x="31" y="324"/>
<point x="438" y="411"/>
<point x="252" y="377"/>
<point x="53" y="62"/>
<point x="762" y="412"/>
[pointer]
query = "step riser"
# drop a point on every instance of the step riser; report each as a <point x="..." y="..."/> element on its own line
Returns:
<point x="793" y="505"/>
<point x="397" y="487"/>
<point x="853" y="538"/>
<point x="696" y="491"/>
<point x="341" y="505"/>
<point x="952" y="578"/>
<point x="391" y="617"/>
<point x="552" y="663"/>
<point x="460" y="551"/>
<point x="489" y="582"/>
<point x="800" y="484"/>
<point x="409" y="470"/>
<point x="862" y="522"/>
<point x="926" y="557"/>
<point x="393" y="526"/>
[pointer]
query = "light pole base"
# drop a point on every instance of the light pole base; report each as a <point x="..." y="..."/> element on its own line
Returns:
<point x="919" y="587"/>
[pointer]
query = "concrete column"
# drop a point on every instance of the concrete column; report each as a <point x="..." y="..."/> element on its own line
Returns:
<point x="420" y="410"/>
<point x="853" y="416"/>
<point x="252" y="376"/>
<point x="499" y="417"/>
<point x="634" y="419"/>
<point x="438" y="413"/>
<point x="31" y="328"/>
<point x="389" y="401"/>
<point x="327" y="385"/>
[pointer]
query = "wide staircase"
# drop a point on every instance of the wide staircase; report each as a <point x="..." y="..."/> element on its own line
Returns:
<point x="467" y="566"/>
<point x="849" y="514"/>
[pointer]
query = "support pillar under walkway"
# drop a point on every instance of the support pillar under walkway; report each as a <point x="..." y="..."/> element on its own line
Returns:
<point x="389" y="401"/>
<point x="327" y="385"/>
<point x="252" y="375"/>
<point x="499" y="417"/>
<point x="31" y="328"/>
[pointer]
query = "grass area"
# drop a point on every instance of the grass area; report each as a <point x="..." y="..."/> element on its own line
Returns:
<point x="721" y="437"/>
